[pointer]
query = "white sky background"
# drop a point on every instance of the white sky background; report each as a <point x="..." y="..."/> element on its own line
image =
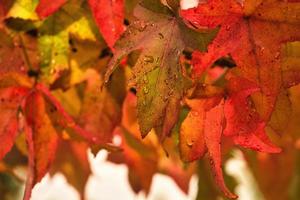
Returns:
<point x="109" y="181"/>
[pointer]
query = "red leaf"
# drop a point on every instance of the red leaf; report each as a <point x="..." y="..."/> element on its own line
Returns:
<point x="206" y="123"/>
<point x="10" y="100"/>
<point x="109" y="16"/>
<point x="256" y="52"/>
<point x="212" y="134"/>
<point x="242" y="120"/>
<point x="191" y="139"/>
<point x="44" y="134"/>
<point x="48" y="7"/>
<point x="62" y="118"/>
<point x="41" y="139"/>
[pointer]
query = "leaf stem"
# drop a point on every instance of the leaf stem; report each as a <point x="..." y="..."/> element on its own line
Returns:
<point x="27" y="60"/>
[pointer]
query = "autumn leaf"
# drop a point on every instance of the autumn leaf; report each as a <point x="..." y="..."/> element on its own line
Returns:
<point x="208" y="119"/>
<point x="72" y="161"/>
<point x="157" y="73"/>
<point x="48" y="7"/>
<point x="145" y="157"/>
<point x="11" y="54"/>
<point x="242" y="120"/>
<point x="109" y="16"/>
<point x="41" y="137"/>
<point x="256" y="52"/>
<point x="11" y="100"/>
<point x="100" y="112"/>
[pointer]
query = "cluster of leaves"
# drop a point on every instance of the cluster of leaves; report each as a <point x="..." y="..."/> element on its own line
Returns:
<point x="174" y="85"/>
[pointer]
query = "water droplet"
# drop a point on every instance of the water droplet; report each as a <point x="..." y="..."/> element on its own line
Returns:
<point x="166" y="82"/>
<point x="146" y="90"/>
<point x="195" y="113"/>
<point x="145" y="79"/>
<point x="142" y="27"/>
<point x="161" y="36"/>
<point x="277" y="55"/>
<point x="166" y="98"/>
<point x="156" y="61"/>
<point x="148" y="59"/>
<point x="94" y="139"/>
<point x="144" y="103"/>
<point x="189" y="143"/>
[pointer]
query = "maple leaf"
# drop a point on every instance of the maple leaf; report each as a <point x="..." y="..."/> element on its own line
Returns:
<point x="238" y="120"/>
<point x="252" y="33"/>
<point x="41" y="137"/>
<point x="161" y="37"/>
<point x="41" y="119"/>
<point x="242" y="120"/>
<point x="109" y="16"/>
<point x="206" y="120"/>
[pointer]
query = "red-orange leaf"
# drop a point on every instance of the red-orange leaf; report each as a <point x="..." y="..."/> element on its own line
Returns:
<point x="252" y="33"/>
<point x="44" y="134"/>
<point x="242" y="120"/>
<point x="109" y="16"/>
<point x="206" y="121"/>
<point x="10" y="100"/>
<point x="48" y="7"/>
<point x="214" y="123"/>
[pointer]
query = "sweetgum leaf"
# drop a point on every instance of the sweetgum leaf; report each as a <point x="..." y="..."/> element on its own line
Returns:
<point x="252" y="33"/>
<point x="157" y="73"/>
<point x="242" y="120"/>
<point x="208" y="119"/>
<point x="10" y="101"/>
<point x="44" y="135"/>
<point x="109" y="16"/>
<point x="54" y="36"/>
<point x="53" y="45"/>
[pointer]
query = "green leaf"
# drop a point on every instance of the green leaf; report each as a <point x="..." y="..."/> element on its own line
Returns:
<point x="157" y="74"/>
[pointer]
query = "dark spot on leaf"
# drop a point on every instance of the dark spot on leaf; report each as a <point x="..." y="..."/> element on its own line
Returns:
<point x="133" y="90"/>
<point x="126" y="22"/>
<point x="187" y="54"/>
<point x="33" y="73"/>
<point x="105" y="52"/>
<point x="225" y="62"/>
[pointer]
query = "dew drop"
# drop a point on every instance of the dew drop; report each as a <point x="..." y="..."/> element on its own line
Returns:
<point x="145" y="79"/>
<point x="195" y="113"/>
<point x="148" y="59"/>
<point x="189" y="143"/>
<point x="166" y="98"/>
<point x="161" y="36"/>
<point x="94" y="139"/>
<point x="146" y="90"/>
